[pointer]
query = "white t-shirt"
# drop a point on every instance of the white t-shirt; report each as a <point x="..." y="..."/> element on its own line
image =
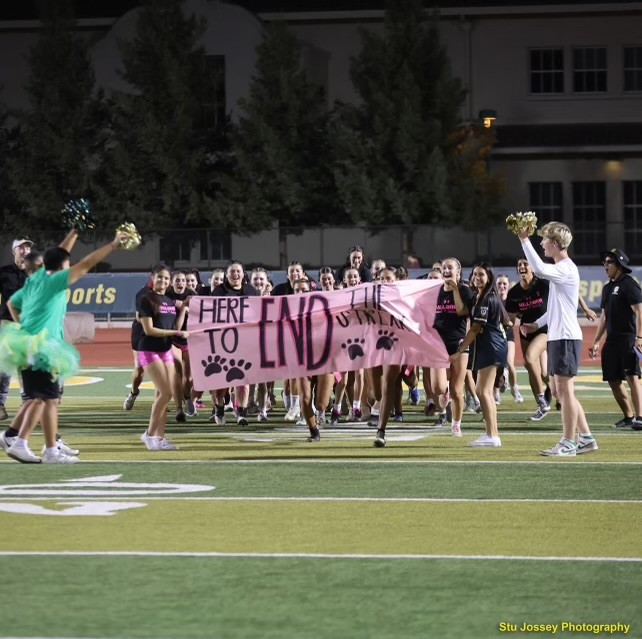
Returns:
<point x="563" y="295"/>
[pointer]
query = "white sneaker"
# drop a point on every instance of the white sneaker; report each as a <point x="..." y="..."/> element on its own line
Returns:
<point x="262" y="417"/>
<point x="517" y="396"/>
<point x="498" y="397"/>
<point x="22" y="454"/>
<point x="166" y="444"/>
<point x="301" y="421"/>
<point x="152" y="443"/>
<point x="561" y="449"/>
<point x="486" y="441"/>
<point x="321" y="418"/>
<point x="292" y="415"/>
<point x="64" y="447"/>
<point x="456" y="430"/>
<point x="60" y="458"/>
<point x="6" y="442"/>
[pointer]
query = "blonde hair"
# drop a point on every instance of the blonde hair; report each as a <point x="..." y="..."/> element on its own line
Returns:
<point x="557" y="232"/>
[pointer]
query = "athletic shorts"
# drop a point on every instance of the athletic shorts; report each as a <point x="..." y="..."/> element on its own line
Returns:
<point x="145" y="358"/>
<point x="619" y="359"/>
<point x="181" y="347"/>
<point x="564" y="357"/>
<point x="453" y="345"/>
<point x="40" y="384"/>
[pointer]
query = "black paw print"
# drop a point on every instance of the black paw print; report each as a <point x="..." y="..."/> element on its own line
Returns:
<point x="354" y="347"/>
<point x="236" y="370"/>
<point x="386" y="340"/>
<point x="213" y="365"/>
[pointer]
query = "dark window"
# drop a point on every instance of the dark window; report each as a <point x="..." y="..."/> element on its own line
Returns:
<point x="589" y="70"/>
<point x="633" y="218"/>
<point x="216" y="246"/>
<point x="547" y="71"/>
<point x="546" y="201"/>
<point x="589" y="218"/>
<point x="177" y="247"/>
<point x="633" y="68"/>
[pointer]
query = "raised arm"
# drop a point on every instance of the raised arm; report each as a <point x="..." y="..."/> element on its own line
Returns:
<point x="88" y="262"/>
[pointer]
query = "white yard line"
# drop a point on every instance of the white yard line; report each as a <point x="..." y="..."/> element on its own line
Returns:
<point x="297" y="555"/>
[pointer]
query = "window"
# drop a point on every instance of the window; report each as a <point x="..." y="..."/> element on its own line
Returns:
<point x="589" y="218"/>
<point x="589" y="70"/>
<point x="177" y="247"/>
<point x="633" y="68"/>
<point x="546" y="200"/>
<point x="547" y="70"/>
<point x="216" y="246"/>
<point x="633" y="218"/>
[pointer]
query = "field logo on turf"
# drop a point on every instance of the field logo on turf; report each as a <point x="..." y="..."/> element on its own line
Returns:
<point x="94" y="492"/>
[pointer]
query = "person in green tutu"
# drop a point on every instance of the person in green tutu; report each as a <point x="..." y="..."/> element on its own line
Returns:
<point x="35" y="346"/>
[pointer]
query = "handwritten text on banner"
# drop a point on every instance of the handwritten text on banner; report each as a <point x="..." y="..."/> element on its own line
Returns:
<point x="246" y="340"/>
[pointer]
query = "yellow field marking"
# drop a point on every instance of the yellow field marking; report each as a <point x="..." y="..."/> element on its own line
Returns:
<point x="80" y="380"/>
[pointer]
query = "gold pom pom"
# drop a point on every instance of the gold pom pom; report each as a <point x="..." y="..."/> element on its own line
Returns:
<point x="134" y="241"/>
<point x="516" y="222"/>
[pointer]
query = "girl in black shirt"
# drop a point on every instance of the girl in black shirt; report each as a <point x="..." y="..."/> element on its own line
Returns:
<point x="159" y="319"/>
<point x="489" y="349"/>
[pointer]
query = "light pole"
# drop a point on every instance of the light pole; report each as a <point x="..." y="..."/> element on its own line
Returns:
<point x="488" y="117"/>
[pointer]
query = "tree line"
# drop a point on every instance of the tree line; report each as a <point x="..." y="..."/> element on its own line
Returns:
<point x="160" y="154"/>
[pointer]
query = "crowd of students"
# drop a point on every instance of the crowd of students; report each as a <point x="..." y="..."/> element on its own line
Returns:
<point x="479" y="319"/>
<point x="475" y="317"/>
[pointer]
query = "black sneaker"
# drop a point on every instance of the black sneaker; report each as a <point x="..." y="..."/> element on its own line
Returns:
<point x="637" y="423"/>
<point x="380" y="439"/>
<point x="180" y="417"/>
<point x="315" y="435"/>
<point x="373" y="422"/>
<point x="627" y="422"/>
<point x="241" y="419"/>
<point x="442" y="420"/>
<point x="3" y="412"/>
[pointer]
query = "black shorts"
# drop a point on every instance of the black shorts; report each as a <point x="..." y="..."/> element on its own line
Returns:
<point x="40" y="384"/>
<point x="619" y="359"/>
<point x="453" y="345"/>
<point x="564" y="357"/>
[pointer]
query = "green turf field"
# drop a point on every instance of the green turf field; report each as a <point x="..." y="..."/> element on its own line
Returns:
<point x="252" y="532"/>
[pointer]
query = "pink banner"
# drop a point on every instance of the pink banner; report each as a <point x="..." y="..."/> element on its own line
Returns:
<point x="246" y="340"/>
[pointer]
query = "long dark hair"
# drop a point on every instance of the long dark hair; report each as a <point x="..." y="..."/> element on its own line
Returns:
<point x="153" y="297"/>
<point x="491" y="288"/>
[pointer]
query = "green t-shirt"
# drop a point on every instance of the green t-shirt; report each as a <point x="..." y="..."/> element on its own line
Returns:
<point x="42" y="302"/>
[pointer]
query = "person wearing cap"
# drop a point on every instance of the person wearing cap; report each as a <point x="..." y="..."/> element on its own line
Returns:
<point x="12" y="279"/>
<point x="621" y="320"/>
<point x="564" y="333"/>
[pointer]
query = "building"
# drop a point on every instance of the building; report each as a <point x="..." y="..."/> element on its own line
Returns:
<point x="564" y="80"/>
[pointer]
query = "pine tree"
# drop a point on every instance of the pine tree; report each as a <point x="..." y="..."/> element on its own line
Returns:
<point x="392" y="150"/>
<point x="283" y="159"/>
<point x="162" y="162"/>
<point x="55" y="153"/>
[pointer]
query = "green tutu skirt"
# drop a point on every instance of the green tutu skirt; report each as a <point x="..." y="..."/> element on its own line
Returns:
<point x="20" y="350"/>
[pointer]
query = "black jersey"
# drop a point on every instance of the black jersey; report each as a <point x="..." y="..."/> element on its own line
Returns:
<point x="529" y="304"/>
<point x="450" y="326"/>
<point x="181" y="297"/>
<point x="617" y="299"/>
<point x="490" y="346"/>
<point x="164" y="318"/>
